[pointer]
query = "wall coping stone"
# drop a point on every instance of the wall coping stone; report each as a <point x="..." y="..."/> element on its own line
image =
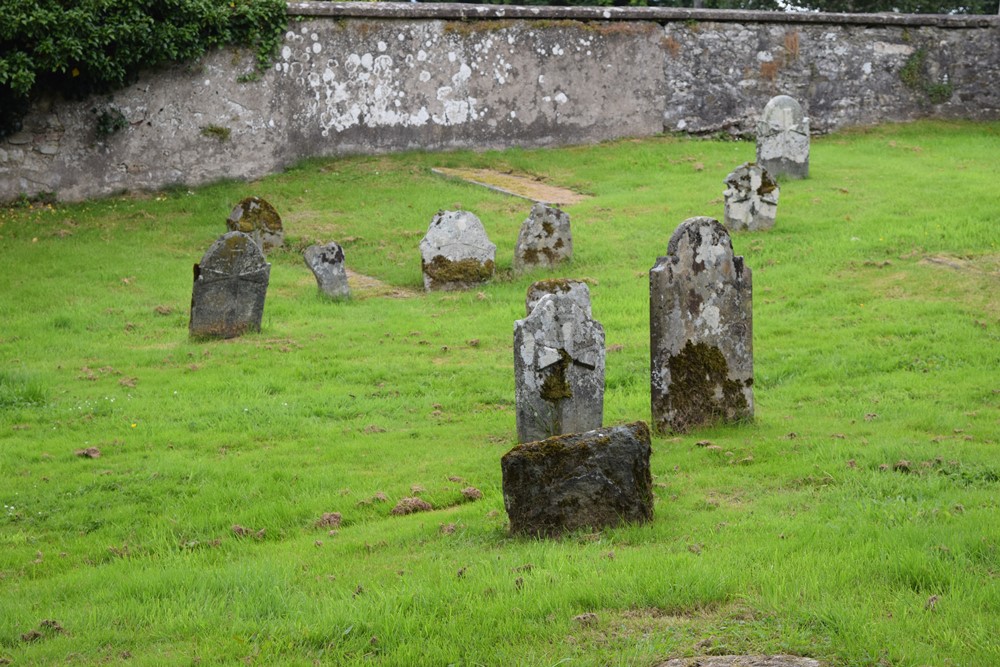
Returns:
<point x="467" y="12"/>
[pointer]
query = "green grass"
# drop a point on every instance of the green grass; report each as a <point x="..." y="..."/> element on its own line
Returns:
<point x="801" y="535"/>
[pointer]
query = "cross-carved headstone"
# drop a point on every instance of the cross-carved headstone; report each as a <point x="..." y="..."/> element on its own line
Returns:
<point x="456" y="253"/>
<point x="558" y="369"/>
<point x="544" y="241"/>
<point x="701" y="330"/>
<point x="751" y="198"/>
<point x="256" y="217"/>
<point x="576" y="289"/>
<point x="230" y="284"/>
<point x="327" y="264"/>
<point x="783" y="139"/>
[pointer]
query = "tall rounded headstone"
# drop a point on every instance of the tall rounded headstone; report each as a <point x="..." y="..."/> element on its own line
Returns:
<point x="783" y="139"/>
<point x="256" y="217"/>
<point x="751" y="198"/>
<point x="701" y="330"/>
<point x="544" y="241"/>
<point x="456" y="253"/>
<point x="230" y="285"/>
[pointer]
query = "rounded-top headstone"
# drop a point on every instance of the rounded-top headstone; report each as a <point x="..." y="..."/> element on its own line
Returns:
<point x="751" y="198"/>
<point x="327" y="264"/>
<point x="230" y="285"/>
<point x="783" y="138"/>
<point x="232" y="254"/>
<point x="456" y="253"/>
<point x="544" y="241"/>
<point x="575" y="289"/>
<point x="256" y="217"/>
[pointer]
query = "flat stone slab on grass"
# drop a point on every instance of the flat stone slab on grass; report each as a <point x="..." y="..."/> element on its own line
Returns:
<point x="742" y="661"/>
<point x="526" y="187"/>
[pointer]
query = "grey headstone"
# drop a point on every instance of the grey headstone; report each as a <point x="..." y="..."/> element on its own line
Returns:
<point x="596" y="479"/>
<point x="327" y="264"/>
<point x="456" y="253"/>
<point x="576" y="289"/>
<point x="544" y="241"/>
<point x="558" y="369"/>
<point x="701" y="330"/>
<point x="751" y="197"/>
<point x="230" y="284"/>
<point x="256" y="217"/>
<point x="783" y="139"/>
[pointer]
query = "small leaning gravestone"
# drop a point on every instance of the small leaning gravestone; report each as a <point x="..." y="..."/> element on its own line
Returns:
<point x="544" y="241"/>
<point x="256" y="217"/>
<point x="456" y="253"/>
<point x="230" y="285"/>
<point x="783" y="139"/>
<point x="327" y="264"/>
<point x="751" y="197"/>
<point x="700" y="330"/>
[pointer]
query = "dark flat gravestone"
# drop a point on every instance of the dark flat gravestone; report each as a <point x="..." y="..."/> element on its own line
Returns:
<point x="230" y="284"/>
<point x="596" y="479"/>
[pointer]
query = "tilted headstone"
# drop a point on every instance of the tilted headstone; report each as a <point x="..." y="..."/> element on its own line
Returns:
<point x="783" y="139"/>
<point x="596" y="479"/>
<point x="230" y="284"/>
<point x="576" y="289"/>
<point x="327" y="264"/>
<point x="256" y="217"/>
<point x="544" y="241"/>
<point x="751" y="197"/>
<point x="558" y="369"/>
<point x="701" y="330"/>
<point x="456" y="253"/>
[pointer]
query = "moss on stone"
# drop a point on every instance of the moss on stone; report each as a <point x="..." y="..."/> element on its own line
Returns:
<point x="469" y="270"/>
<point x="697" y="374"/>
<point x="555" y="387"/>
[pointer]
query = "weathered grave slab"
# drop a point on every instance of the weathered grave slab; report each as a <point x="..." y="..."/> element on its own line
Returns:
<point x="576" y="289"/>
<point x="751" y="198"/>
<point x="545" y="240"/>
<point x="783" y="139"/>
<point x="596" y="479"/>
<point x="230" y="285"/>
<point x="456" y="253"/>
<point x="256" y="217"/>
<point x="701" y="330"/>
<point x="742" y="661"/>
<point x="327" y="264"/>
<point x="558" y="369"/>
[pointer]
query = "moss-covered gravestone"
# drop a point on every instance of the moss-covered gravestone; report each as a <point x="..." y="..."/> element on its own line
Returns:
<point x="230" y="284"/>
<point x="751" y="198"/>
<point x="544" y="241"/>
<point x="594" y="480"/>
<point x="576" y="289"/>
<point x="456" y="253"/>
<point x="701" y="330"/>
<point x="783" y="139"/>
<point x="256" y="217"/>
<point x="327" y="264"/>
<point x="558" y="369"/>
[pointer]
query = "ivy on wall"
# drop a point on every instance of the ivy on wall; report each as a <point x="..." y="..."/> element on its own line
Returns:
<point x="79" y="47"/>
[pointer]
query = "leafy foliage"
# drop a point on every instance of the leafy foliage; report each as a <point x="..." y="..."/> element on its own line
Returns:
<point x="94" y="46"/>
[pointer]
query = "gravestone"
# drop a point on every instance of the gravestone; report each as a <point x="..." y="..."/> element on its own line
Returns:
<point x="230" y="284"/>
<point x="544" y="241"/>
<point x="558" y="369"/>
<point x="751" y="197"/>
<point x="596" y="479"/>
<point x="701" y="330"/>
<point x="256" y="217"/>
<point x="456" y="253"/>
<point x="576" y="289"/>
<point x="783" y="139"/>
<point x="327" y="264"/>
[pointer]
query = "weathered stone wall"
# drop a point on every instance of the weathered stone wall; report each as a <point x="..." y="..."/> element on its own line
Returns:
<point x="378" y="77"/>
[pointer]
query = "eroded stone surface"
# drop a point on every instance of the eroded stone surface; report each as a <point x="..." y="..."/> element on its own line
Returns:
<point x="596" y="479"/>
<point x="742" y="661"/>
<point x="575" y="289"/>
<point x="544" y="241"/>
<point x="256" y="217"/>
<point x="327" y="264"/>
<point x="751" y="198"/>
<point x="701" y="330"/>
<point x="230" y="284"/>
<point x="456" y="253"/>
<point x="558" y="369"/>
<point x="783" y="139"/>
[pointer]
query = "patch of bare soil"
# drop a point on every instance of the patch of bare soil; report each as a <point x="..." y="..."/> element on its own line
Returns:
<point x="366" y="286"/>
<point x="742" y="661"/>
<point x="518" y="185"/>
<point x="988" y="264"/>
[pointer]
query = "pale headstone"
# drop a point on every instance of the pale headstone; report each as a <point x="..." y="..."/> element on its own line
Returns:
<point x="751" y="197"/>
<point x="456" y="253"/>
<point x="558" y="369"/>
<point x="595" y="480"/>
<point x="783" y="139"/>
<point x="576" y="289"/>
<point x="230" y="284"/>
<point x="701" y="330"/>
<point x="256" y="217"/>
<point x="545" y="240"/>
<point x="327" y="264"/>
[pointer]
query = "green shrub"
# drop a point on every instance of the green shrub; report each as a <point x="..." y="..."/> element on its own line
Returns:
<point x="95" y="46"/>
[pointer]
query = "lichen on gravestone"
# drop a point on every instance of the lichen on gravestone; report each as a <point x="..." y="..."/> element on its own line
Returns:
<point x="230" y="286"/>
<point x="327" y="264"/>
<point x="456" y="253"/>
<point x="783" y="139"/>
<point x="544" y="241"/>
<point x="751" y="198"/>
<point x="258" y="218"/>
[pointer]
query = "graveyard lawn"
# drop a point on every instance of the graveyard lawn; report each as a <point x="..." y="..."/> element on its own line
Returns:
<point x="328" y="490"/>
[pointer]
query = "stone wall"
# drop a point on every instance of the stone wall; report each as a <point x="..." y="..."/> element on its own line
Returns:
<point x="380" y="77"/>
